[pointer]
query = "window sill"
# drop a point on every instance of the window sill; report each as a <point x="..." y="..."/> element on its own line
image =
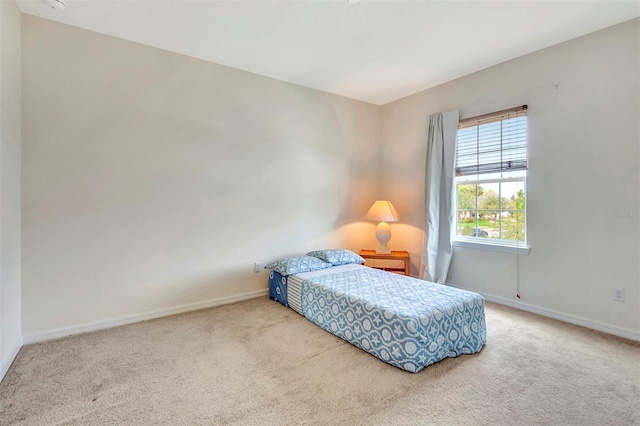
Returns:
<point x="483" y="245"/>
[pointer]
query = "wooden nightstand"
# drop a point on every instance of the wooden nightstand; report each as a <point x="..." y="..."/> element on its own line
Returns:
<point x="397" y="262"/>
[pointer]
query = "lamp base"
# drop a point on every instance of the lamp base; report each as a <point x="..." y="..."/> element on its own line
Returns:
<point x="383" y="235"/>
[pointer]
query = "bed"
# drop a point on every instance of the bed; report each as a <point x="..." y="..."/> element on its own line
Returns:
<point x="406" y="322"/>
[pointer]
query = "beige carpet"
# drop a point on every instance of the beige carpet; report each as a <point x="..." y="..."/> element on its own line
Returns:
<point x="257" y="362"/>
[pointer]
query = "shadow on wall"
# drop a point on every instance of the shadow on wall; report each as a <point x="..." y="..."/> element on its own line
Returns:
<point x="355" y="236"/>
<point x="407" y="237"/>
<point x="210" y="286"/>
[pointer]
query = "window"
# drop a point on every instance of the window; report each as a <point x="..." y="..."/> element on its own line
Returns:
<point x="491" y="172"/>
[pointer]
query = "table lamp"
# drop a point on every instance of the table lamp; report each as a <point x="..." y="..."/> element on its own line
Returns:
<point x="383" y="211"/>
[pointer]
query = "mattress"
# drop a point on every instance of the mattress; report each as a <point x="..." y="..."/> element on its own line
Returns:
<point x="404" y="321"/>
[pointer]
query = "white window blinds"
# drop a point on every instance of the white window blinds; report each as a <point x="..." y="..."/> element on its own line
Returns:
<point x="492" y="143"/>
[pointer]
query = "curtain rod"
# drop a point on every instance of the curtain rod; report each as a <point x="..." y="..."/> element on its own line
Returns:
<point x="493" y="114"/>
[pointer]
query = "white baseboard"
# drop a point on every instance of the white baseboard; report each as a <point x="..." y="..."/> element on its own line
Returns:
<point x="561" y="316"/>
<point x="57" y="333"/>
<point x="128" y="319"/>
<point x="13" y="353"/>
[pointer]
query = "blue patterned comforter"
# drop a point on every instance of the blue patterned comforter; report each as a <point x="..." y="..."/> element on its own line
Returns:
<point x="404" y="321"/>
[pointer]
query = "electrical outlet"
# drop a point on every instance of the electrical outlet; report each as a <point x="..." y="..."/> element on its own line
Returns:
<point x="257" y="267"/>
<point x="618" y="294"/>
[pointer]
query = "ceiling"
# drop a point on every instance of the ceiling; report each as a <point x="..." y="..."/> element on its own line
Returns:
<point x="374" y="51"/>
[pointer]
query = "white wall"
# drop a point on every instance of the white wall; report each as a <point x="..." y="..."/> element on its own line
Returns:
<point x="154" y="180"/>
<point x="10" y="136"/>
<point x="583" y="152"/>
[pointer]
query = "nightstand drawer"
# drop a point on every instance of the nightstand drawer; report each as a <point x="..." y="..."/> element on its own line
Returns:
<point x="385" y="263"/>
<point x="397" y="261"/>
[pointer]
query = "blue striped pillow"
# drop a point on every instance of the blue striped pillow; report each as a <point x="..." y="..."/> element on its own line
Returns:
<point x="337" y="256"/>
<point x="295" y="265"/>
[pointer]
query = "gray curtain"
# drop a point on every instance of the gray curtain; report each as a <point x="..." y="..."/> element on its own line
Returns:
<point x="439" y="180"/>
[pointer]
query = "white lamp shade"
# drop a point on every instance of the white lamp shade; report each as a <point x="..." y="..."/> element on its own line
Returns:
<point x="382" y="211"/>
